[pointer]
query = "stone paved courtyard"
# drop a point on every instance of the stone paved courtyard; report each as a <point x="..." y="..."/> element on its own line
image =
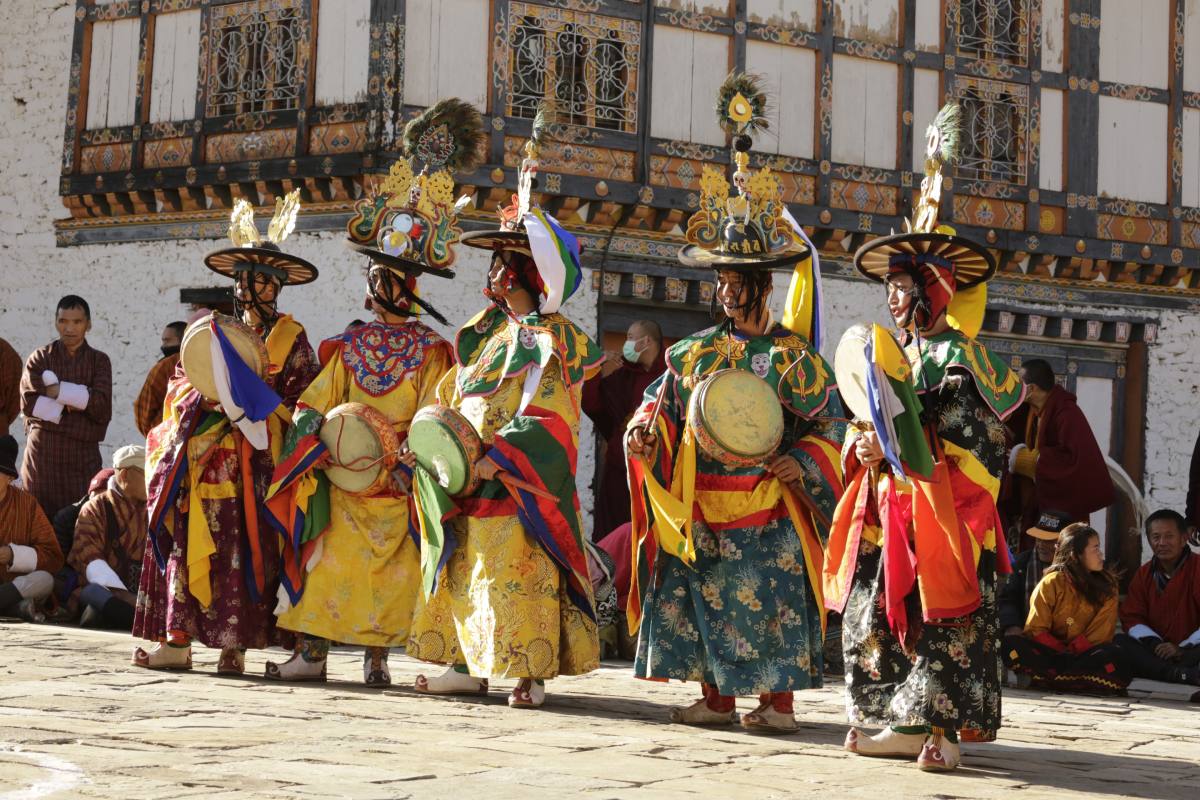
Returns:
<point x="77" y="721"/>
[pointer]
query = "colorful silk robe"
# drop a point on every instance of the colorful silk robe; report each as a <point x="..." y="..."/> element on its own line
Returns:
<point x="211" y="567"/>
<point x="913" y="566"/>
<point x="353" y="570"/>
<point x="734" y="598"/>
<point x="514" y="598"/>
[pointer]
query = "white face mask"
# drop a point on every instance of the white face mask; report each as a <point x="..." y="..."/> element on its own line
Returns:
<point x="630" y="349"/>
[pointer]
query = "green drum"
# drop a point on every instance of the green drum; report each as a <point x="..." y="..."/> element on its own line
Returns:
<point x="448" y="446"/>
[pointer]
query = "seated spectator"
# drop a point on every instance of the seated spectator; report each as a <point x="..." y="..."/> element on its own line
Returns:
<point x="1161" y="612"/>
<point x="29" y="553"/>
<point x="66" y="580"/>
<point x="617" y="545"/>
<point x="1028" y="568"/>
<point x="601" y="569"/>
<point x="1067" y="642"/>
<point x="110" y="540"/>
<point x="65" y="518"/>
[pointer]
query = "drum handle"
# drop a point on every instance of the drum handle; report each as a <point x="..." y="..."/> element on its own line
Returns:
<point x="353" y="465"/>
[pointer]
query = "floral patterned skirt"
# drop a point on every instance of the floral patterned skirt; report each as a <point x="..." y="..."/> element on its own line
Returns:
<point x="953" y="680"/>
<point x="501" y="608"/>
<point x="744" y="618"/>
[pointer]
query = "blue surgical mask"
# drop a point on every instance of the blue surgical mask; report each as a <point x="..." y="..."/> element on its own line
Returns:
<point x="630" y="350"/>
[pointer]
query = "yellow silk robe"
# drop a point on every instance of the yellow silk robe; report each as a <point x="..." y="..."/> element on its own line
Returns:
<point x="367" y="572"/>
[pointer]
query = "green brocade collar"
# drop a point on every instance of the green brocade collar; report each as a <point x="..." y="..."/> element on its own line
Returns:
<point x="492" y="347"/>
<point x="802" y="379"/>
<point x="998" y="384"/>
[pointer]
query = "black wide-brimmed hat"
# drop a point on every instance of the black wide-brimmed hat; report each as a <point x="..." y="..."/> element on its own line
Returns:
<point x="265" y="257"/>
<point x="970" y="262"/>
<point x="252" y="253"/>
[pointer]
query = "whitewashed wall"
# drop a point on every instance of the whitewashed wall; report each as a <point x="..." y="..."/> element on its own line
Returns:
<point x="134" y="289"/>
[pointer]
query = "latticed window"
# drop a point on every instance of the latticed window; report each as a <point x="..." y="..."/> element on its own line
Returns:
<point x="995" y="130"/>
<point x="256" y="57"/>
<point x="993" y="29"/>
<point x="585" y="63"/>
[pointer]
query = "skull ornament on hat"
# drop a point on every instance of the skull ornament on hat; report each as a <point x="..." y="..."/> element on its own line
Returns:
<point x="742" y="229"/>
<point x="410" y="223"/>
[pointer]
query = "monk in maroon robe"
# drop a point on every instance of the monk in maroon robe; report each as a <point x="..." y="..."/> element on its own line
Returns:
<point x="609" y="400"/>
<point x="1056" y="462"/>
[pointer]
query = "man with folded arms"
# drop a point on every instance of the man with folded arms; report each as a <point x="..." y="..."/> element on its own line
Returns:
<point x="66" y="396"/>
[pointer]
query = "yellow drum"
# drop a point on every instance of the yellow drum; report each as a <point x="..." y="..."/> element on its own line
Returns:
<point x="736" y="418"/>
<point x="195" y="352"/>
<point x="364" y="447"/>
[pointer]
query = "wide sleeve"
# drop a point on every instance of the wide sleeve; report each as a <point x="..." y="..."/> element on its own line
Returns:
<point x="539" y="446"/>
<point x="32" y="386"/>
<point x="1135" y="610"/>
<point x="815" y="444"/>
<point x="434" y="368"/>
<point x="1041" y="613"/>
<point x="99" y="406"/>
<point x="91" y="527"/>
<point x="298" y="371"/>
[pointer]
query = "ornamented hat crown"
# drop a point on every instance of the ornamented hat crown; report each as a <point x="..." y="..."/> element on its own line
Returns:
<point x="410" y="222"/>
<point x="924" y="242"/>
<point x="746" y="229"/>
<point x="251" y="253"/>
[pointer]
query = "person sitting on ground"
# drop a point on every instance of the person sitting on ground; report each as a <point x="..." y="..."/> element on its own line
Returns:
<point x="110" y="540"/>
<point x="29" y="553"/>
<point x="1161" y="612"/>
<point x="66" y="580"/>
<point x="1067" y="644"/>
<point x="66" y="517"/>
<point x="1028" y="568"/>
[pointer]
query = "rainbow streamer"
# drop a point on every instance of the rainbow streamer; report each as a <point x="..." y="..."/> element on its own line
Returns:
<point x="556" y="254"/>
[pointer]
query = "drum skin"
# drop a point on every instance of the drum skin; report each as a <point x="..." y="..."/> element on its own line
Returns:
<point x="363" y="446"/>
<point x="736" y="418"/>
<point x="196" y="355"/>
<point x="850" y="367"/>
<point x="447" y="445"/>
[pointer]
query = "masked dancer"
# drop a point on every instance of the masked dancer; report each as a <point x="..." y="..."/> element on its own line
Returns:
<point x="211" y="568"/>
<point x="733" y="461"/>
<point x="513" y="598"/>
<point x="916" y="543"/>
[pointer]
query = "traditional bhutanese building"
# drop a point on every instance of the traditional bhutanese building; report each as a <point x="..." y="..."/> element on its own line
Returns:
<point x="130" y="128"/>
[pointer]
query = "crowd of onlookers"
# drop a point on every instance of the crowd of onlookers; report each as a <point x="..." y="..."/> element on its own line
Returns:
<point x="72" y="534"/>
